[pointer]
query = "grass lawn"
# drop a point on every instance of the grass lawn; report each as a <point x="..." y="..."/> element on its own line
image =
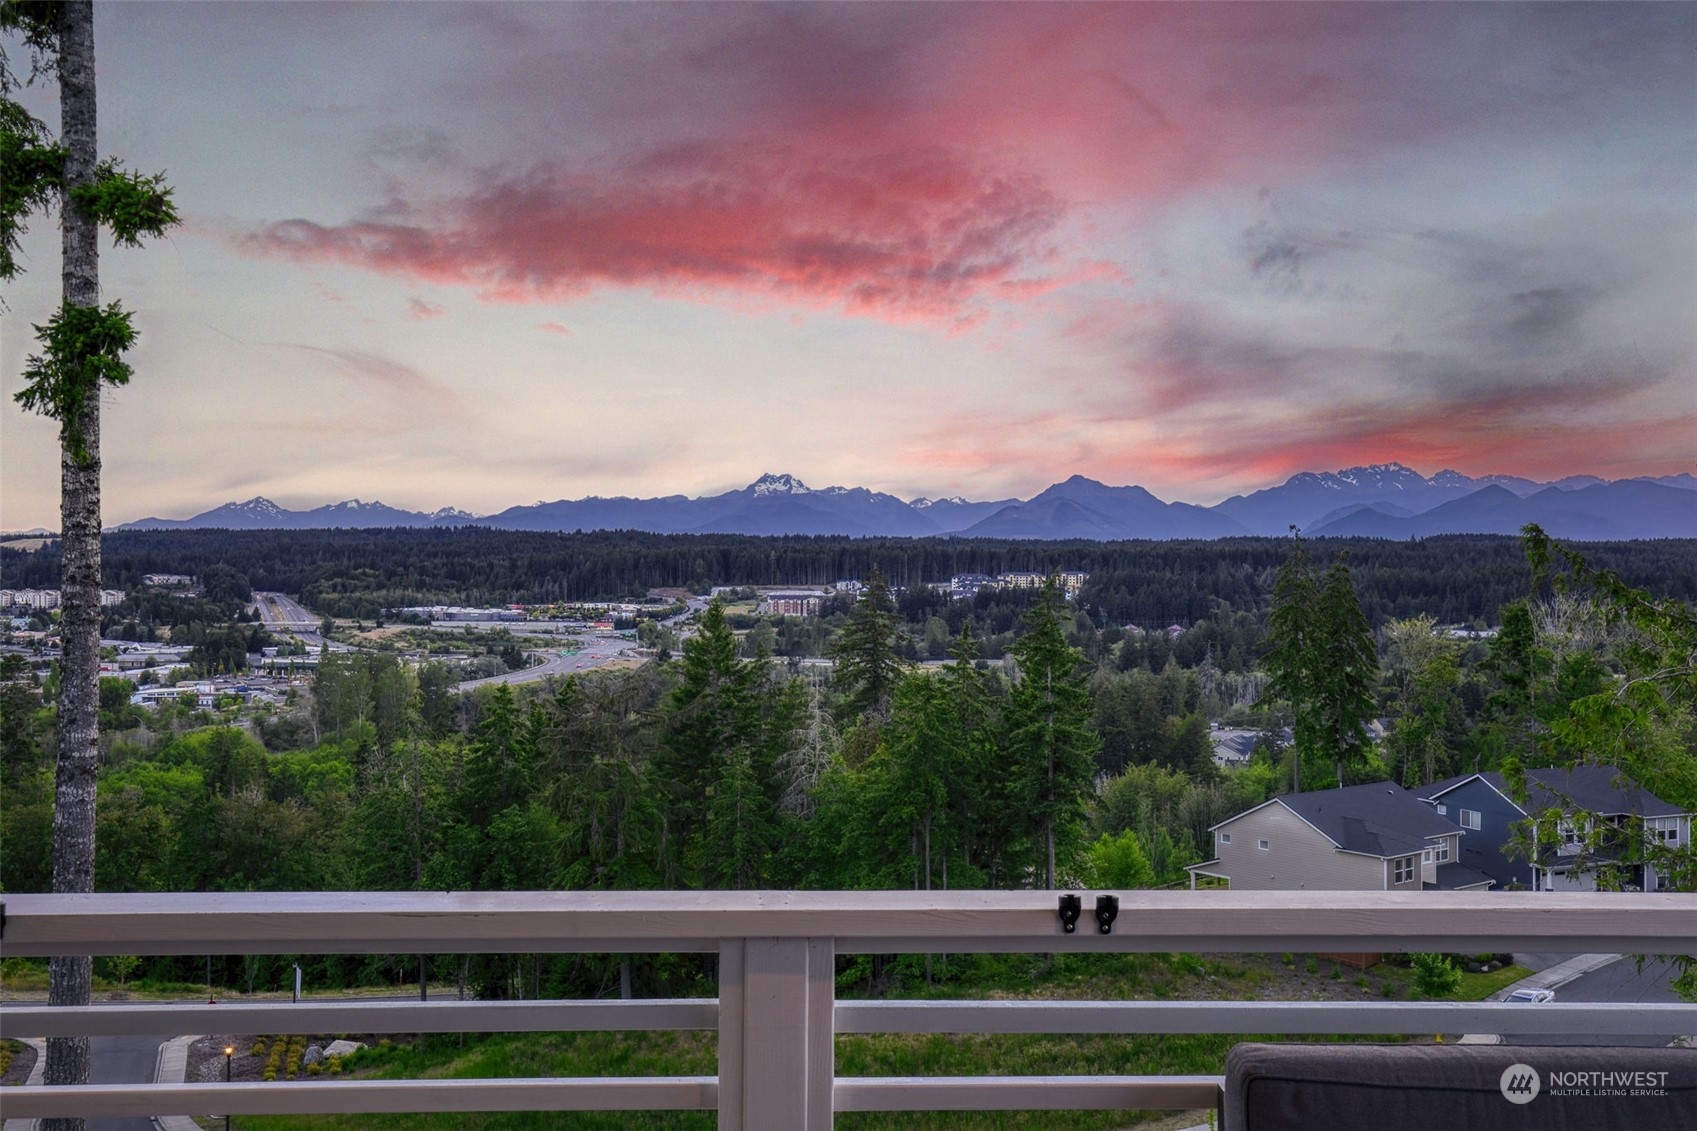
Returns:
<point x="1474" y="987"/>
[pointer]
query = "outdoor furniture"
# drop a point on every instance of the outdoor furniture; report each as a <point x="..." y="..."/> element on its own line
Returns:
<point x="1433" y="1087"/>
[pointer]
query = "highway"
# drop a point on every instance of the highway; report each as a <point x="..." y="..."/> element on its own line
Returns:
<point x="282" y="616"/>
<point x="592" y="653"/>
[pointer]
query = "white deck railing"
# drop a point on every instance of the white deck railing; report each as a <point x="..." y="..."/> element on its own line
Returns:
<point x="776" y="1014"/>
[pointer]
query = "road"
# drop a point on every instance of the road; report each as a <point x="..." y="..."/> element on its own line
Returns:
<point x="593" y="652"/>
<point x="284" y="617"/>
<point x="122" y="1060"/>
<point x="1621" y="982"/>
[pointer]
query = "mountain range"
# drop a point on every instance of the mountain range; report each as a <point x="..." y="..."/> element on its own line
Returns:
<point x="1377" y="501"/>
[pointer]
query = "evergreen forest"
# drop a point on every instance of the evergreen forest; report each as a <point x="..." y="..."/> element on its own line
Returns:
<point x="1080" y="753"/>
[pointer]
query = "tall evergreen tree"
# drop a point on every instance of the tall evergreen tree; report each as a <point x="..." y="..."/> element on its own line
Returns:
<point x="1051" y="747"/>
<point x="731" y="724"/>
<point x="868" y="661"/>
<point x="1346" y="665"/>
<point x="1320" y="658"/>
<point x="700" y="726"/>
<point x="924" y="746"/>
<point x="82" y="351"/>
<point x="595" y="758"/>
<point x="1292" y="651"/>
<point x="971" y="774"/>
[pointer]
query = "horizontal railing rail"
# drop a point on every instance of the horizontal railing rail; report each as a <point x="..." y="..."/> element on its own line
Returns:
<point x="776" y="1014"/>
<point x="932" y="1015"/>
<point x="861" y="922"/>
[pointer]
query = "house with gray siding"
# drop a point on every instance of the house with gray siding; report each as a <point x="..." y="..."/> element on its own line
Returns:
<point x="1580" y="810"/>
<point x="1376" y="837"/>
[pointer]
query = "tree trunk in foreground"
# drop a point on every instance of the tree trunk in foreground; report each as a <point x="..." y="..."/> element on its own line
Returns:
<point x="79" y="586"/>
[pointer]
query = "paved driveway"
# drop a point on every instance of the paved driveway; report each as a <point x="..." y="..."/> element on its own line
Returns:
<point x="122" y="1060"/>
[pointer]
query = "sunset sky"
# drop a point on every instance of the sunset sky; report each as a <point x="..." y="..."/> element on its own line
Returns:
<point x="483" y="255"/>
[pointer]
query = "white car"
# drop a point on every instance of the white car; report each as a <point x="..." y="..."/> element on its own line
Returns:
<point x="1531" y="997"/>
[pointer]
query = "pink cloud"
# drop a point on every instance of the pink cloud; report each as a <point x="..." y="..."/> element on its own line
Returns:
<point x="553" y="328"/>
<point x="923" y="234"/>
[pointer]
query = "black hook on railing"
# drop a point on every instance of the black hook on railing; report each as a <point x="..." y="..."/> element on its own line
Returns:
<point x="1107" y="910"/>
<point x="1070" y="909"/>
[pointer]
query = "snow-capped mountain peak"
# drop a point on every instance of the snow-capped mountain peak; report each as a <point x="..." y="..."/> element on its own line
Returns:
<point x="770" y="484"/>
<point x="258" y="505"/>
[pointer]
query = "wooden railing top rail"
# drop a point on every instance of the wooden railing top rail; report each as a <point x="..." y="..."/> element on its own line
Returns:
<point x="860" y="922"/>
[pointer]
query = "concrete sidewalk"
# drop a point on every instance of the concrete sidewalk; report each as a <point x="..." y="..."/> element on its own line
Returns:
<point x="173" y="1068"/>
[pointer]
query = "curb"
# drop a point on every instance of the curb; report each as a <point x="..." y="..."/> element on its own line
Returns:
<point x="172" y="1068"/>
<point x="1560" y="974"/>
<point x="35" y="1073"/>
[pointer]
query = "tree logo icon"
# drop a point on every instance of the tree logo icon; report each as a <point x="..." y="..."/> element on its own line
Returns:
<point x="1520" y="1083"/>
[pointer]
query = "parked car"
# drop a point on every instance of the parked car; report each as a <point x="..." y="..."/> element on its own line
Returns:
<point x="1531" y="997"/>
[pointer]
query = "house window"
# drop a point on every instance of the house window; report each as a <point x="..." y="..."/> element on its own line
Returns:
<point x="1403" y="869"/>
<point x="1443" y="851"/>
<point x="1425" y="856"/>
<point x="1262" y="845"/>
<point x="1225" y="838"/>
<point x="1671" y="833"/>
<point x="1443" y="809"/>
<point x="1470" y="819"/>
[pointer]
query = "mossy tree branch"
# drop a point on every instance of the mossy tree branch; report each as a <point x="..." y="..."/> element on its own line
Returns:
<point x="83" y="350"/>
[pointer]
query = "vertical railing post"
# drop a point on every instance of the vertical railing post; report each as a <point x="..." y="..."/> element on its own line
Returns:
<point x="776" y="1058"/>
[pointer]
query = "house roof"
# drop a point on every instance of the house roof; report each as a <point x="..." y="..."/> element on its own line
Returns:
<point x="1457" y="877"/>
<point x="1439" y="788"/>
<point x="1380" y="819"/>
<point x="1598" y="789"/>
<point x="1603" y="790"/>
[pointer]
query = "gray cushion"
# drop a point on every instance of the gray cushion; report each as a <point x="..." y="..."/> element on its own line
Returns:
<point x="1430" y="1087"/>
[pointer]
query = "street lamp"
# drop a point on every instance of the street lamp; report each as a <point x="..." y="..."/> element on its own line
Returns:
<point x="229" y="1051"/>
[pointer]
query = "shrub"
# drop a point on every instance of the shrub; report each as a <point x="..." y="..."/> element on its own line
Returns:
<point x="1435" y="975"/>
<point x="1312" y="965"/>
